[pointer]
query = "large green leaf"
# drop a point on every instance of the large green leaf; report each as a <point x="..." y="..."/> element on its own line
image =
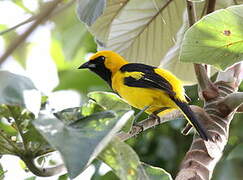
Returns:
<point x="80" y="142"/>
<point x="19" y="90"/>
<point x="216" y="39"/>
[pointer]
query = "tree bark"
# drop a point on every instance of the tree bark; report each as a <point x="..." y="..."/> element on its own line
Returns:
<point x="220" y="108"/>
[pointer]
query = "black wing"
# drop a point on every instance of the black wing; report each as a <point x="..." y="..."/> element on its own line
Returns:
<point x="150" y="79"/>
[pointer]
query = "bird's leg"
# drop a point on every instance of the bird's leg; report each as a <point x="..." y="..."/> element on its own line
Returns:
<point x="187" y="129"/>
<point x="137" y="116"/>
<point x="155" y="116"/>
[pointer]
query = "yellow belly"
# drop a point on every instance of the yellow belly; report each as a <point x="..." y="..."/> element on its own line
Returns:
<point x="142" y="97"/>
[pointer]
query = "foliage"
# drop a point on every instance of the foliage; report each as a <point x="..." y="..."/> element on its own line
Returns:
<point x="29" y="128"/>
<point x="216" y="39"/>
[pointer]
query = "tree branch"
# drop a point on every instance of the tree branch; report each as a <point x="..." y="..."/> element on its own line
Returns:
<point x="211" y="6"/>
<point x="148" y="123"/>
<point x="231" y="102"/>
<point x="202" y="157"/>
<point x="40" y="18"/>
<point x="206" y="88"/>
<point x="32" y="18"/>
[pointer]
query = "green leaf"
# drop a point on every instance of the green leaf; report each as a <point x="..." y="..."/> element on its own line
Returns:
<point x="89" y="10"/>
<point x="111" y="101"/>
<point x="19" y="90"/>
<point x="216" y="39"/>
<point x="123" y="160"/>
<point x="109" y="175"/>
<point x="156" y="173"/>
<point x="63" y="177"/>
<point x="80" y="142"/>
<point x="72" y="115"/>
<point x="236" y="153"/>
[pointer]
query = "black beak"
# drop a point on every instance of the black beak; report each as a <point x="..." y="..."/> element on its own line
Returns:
<point x="85" y="65"/>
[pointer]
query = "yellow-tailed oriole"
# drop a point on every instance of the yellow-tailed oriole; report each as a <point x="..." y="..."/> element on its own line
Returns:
<point x="143" y="86"/>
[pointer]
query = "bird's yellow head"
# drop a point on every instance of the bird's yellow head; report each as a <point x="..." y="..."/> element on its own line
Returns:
<point x="105" y="64"/>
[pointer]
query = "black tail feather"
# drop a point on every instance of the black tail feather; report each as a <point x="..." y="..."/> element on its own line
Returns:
<point x="185" y="108"/>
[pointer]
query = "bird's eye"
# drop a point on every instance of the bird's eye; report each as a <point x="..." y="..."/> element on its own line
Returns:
<point x="102" y="58"/>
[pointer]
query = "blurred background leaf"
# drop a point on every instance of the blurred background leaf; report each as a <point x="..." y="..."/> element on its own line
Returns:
<point x="16" y="90"/>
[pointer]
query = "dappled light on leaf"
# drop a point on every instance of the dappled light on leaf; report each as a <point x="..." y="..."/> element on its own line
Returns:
<point x="216" y="39"/>
<point x="123" y="160"/>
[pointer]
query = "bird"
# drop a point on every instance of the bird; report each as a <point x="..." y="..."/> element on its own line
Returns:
<point x="143" y="86"/>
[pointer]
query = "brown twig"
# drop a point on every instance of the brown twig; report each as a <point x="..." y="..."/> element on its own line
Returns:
<point x="32" y="18"/>
<point x="40" y="19"/>
<point x="206" y="87"/>
<point x="211" y="6"/>
<point x="148" y="123"/>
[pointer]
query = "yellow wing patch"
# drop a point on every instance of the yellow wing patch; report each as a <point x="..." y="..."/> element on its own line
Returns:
<point x="135" y="75"/>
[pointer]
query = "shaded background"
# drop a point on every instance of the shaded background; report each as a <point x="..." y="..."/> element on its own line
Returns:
<point x="50" y="57"/>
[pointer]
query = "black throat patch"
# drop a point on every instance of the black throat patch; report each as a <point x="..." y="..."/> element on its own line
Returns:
<point x="100" y="69"/>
